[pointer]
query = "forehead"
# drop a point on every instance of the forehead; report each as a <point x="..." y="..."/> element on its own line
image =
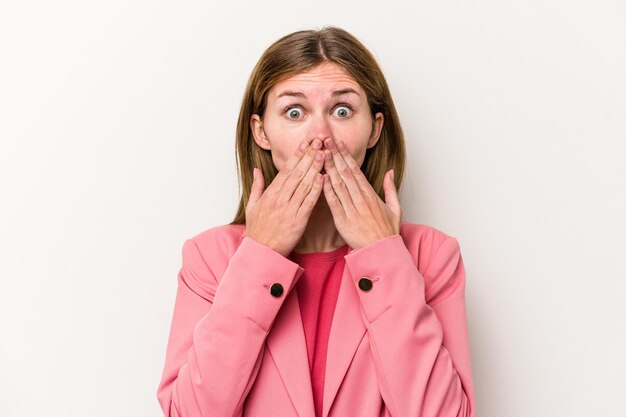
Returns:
<point x="322" y="79"/>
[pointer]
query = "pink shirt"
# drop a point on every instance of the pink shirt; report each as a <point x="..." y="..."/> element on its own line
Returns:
<point x="317" y="291"/>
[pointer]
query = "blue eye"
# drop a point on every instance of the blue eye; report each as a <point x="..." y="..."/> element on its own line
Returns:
<point x="292" y="112"/>
<point x="343" y="111"/>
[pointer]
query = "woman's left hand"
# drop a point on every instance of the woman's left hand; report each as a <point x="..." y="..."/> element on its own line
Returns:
<point x="360" y="216"/>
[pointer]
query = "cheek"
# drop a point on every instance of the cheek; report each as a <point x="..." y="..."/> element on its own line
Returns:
<point x="283" y="148"/>
<point x="355" y="139"/>
<point x="284" y="143"/>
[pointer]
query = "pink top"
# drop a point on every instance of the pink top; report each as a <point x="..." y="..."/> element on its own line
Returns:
<point x="317" y="291"/>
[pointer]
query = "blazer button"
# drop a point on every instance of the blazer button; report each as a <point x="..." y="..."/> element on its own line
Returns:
<point x="276" y="290"/>
<point x="365" y="284"/>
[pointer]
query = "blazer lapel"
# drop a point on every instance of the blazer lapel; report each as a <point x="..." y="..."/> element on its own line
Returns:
<point x="346" y="332"/>
<point x="287" y="346"/>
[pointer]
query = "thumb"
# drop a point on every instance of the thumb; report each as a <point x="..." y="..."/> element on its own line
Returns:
<point x="258" y="185"/>
<point x="391" y="193"/>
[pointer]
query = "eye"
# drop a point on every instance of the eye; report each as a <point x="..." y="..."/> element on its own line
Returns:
<point x="293" y="112"/>
<point x="343" y="111"/>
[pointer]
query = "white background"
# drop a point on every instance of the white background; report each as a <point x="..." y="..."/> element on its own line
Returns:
<point x="117" y="126"/>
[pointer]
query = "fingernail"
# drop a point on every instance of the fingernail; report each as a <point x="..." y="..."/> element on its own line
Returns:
<point x="392" y="174"/>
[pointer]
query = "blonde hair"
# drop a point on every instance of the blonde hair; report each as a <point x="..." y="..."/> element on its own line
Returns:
<point x="299" y="52"/>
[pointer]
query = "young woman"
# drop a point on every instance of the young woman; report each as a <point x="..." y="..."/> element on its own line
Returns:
<point x="318" y="300"/>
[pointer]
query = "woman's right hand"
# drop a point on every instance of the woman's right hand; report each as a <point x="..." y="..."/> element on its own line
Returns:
<point x="278" y="215"/>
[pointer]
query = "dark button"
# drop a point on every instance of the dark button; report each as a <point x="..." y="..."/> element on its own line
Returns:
<point x="276" y="290"/>
<point x="365" y="284"/>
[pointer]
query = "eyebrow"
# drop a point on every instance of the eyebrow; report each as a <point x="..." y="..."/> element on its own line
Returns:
<point x="333" y="94"/>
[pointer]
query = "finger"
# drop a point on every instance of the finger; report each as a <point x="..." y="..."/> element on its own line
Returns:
<point x="305" y="186"/>
<point x="337" y="183"/>
<point x="391" y="192"/>
<point x="297" y="174"/>
<point x="347" y="171"/>
<point x="336" y="208"/>
<point x="354" y="168"/>
<point x="258" y="184"/>
<point x="290" y="164"/>
<point x="307" y="206"/>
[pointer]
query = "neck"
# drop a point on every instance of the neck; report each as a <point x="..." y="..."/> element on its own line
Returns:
<point x="320" y="234"/>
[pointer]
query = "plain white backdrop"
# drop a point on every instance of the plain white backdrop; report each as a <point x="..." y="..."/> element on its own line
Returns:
<point x="117" y="127"/>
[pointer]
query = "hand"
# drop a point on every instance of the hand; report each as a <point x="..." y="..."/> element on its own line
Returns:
<point x="360" y="216"/>
<point x="277" y="217"/>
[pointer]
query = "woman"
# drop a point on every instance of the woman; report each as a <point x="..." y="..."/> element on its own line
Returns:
<point x="375" y="324"/>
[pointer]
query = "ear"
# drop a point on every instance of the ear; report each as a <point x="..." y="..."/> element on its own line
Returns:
<point x="377" y="128"/>
<point x="256" y="126"/>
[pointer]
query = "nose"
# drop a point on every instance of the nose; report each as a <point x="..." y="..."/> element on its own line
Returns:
<point x="320" y="129"/>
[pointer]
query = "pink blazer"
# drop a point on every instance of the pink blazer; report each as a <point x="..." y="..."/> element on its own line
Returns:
<point x="398" y="348"/>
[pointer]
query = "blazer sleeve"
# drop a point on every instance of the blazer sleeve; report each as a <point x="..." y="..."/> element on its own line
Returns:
<point x="218" y="331"/>
<point x="421" y="350"/>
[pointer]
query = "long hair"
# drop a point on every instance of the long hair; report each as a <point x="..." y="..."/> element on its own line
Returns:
<point x="299" y="52"/>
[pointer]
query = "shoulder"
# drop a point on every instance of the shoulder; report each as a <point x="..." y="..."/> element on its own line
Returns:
<point x="217" y="244"/>
<point x="427" y="243"/>
<point x="206" y="254"/>
<point x="226" y="236"/>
